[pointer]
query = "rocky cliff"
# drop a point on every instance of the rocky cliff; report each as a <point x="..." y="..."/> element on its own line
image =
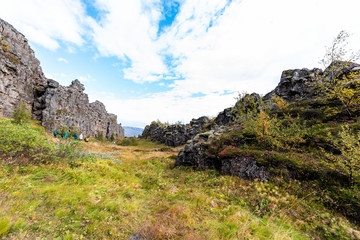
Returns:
<point x="22" y="79"/>
<point x="20" y="71"/>
<point x="176" y="134"/>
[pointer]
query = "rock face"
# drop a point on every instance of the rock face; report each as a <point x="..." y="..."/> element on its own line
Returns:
<point x="20" y="71"/>
<point x="21" y="79"/>
<point x="225" y="117"/>
<point x="176" y="134"/>
<point x="70" y="106"/>
<point x="294" y="86"/>
<point x="195" y="154"/>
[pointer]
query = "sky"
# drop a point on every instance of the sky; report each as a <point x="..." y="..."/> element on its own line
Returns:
<point x="176" y="60"/>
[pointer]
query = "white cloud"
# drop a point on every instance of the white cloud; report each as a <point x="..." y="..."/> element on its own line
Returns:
<point x="63" y="60"/>
<point x="247" y="47"/>
<point x="46" y="22"/>
<point x="128" y="30"/>
<point x="87" y="78"/>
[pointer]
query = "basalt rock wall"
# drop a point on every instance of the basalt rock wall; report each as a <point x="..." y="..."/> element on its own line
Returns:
<point x="70" y="106"/>
<point x="176" y="134"/>
<point x="22" y="79"/>
<point x="20" y="71"/>
<point x="295" y="84"/>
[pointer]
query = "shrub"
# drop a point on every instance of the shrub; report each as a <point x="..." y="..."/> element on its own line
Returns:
<point x="23" y="144"/>
<point x="348" y="143"/>
<point x="337" y="83"/>
<point x="18" y="142"/>
<point x="131" y="141"/>
<point x="21" y="114"/>
<point x="100" y="136"/>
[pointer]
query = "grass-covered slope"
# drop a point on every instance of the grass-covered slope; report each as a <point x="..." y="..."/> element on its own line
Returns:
<point x="80" y="193"/>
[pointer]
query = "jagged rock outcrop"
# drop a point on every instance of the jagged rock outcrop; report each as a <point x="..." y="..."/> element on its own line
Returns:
<point x="340" y="69"/>
<point x="21" y="79"/>
<point x="176" y="134"/>
<point x="294" y="85"/>
<point x="195" y="154"/>
<point x="20" y="71"/>
<point x="225" y="117"/>
<point x="70" y="106"/>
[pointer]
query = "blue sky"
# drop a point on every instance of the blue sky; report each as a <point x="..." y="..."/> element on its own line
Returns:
<point x="177" y="60"/>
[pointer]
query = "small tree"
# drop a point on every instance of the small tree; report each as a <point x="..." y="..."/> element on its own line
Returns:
<point x="337" y="82"/>
<point x="112" y="138"/>
<point x="21" y="114"/>
<point x="100" y="136"/>
<point x="348" y="143"/>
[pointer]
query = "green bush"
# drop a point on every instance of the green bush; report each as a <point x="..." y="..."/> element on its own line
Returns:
<point x="19" y="142"/>
<point x="348" y="143"/>
<point x="131" y="141"/>
<point x="22" y="143"/>
<point x="100" y="136"/>
<point x="21" y="114"/>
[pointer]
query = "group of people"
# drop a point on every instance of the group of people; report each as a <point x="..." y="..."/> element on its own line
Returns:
<point x="64" y="134"/>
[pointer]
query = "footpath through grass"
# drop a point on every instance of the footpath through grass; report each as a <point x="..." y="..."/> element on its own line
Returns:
<point x="142" y="194"/>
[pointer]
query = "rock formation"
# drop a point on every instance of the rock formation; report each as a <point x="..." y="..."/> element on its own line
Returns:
<point x="294" y="85"/>
<point x="20" y="71"/>
<point x="21" y="79"/>
<point x="195" y="154"/>
<point x="176" y="134"/>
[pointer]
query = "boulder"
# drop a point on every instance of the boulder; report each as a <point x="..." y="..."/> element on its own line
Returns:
<point x="195" y="154"/>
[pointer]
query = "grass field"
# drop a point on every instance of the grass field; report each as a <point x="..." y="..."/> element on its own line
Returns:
<point x="124" y="191"/>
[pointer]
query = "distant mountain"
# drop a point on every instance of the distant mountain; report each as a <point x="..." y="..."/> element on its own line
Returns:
<point x="132" y="131"/>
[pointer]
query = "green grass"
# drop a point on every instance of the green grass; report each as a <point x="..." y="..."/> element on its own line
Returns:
<point x="143" y="194"/>
<point x="109" y="200"/>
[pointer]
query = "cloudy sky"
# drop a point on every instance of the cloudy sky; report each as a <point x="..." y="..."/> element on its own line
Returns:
<point x="174" y="60"/>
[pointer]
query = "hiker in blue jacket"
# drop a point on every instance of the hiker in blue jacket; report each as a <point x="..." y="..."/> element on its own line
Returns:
<point x="75" y="136"/>
<point x="56" y="132"/>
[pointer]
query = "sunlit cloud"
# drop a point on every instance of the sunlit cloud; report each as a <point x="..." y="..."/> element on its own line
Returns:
<point x="63" y="60"/>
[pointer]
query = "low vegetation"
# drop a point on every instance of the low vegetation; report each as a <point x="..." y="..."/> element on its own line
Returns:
<point x="101" y="190"/>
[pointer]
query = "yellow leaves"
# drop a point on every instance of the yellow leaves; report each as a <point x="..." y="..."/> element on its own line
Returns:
<point x="279" y="102"/>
